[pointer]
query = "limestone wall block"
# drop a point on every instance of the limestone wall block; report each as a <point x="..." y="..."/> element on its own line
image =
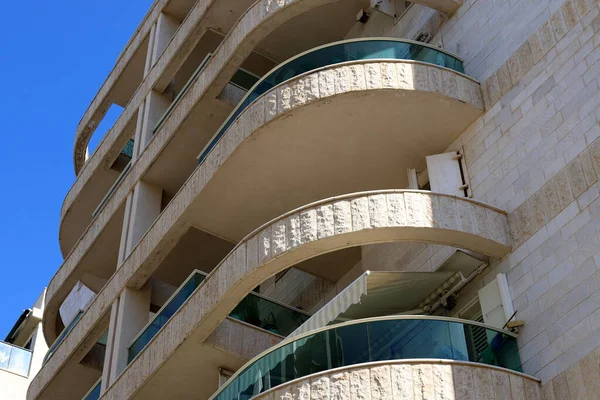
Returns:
<point x="360" y="384"/>
<point x="325" y="221"/>
<point x="406" y="76"/>
<point x="517" y="387"/>
<point x="264" y="245"/>
<point x="381" y="383"/>
<point x="278" y="238"/>
<point x="327" y="80"/>
<point x="342" y="215"/>
<point x="373" y="76"/>
<point x="450" y="84"/>
<point x="293" y="230"/>
<point x="389" y="76"/>
<point x="402" y="382"/>
<point x="396" y="209"/>
<point x="435" y="80"/>
<point x="378" y="211"/>
<point x="443" y="382"/>
<point x="320" y="388"/>
<point x="340" y="386"/>
<point x="422" y="376"/>
<point x="360" y="214"/>
<point x="308" y="225"/>
<point x="311" y="87"/>
<point x="464" y="387"/>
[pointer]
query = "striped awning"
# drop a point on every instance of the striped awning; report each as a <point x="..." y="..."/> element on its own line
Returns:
<point x="376" y="294"/>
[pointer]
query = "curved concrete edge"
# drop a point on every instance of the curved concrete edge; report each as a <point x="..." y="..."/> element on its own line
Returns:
<point x="320" y="228"/>
<point x="86" y="125"/>
<point x="402" y="379"/>
<point x="354" y="76"/>
<point x="113" y="142"/>
<point x="188" y="29"/>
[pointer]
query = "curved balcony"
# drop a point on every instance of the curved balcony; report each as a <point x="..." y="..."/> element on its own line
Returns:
<point x="261" y="20"/>
<point x="333" y="54"/>
<point x="372" y="340"/>
<point x="316" y="229"/>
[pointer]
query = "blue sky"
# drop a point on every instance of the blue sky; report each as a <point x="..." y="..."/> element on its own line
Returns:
<point x="54" y="56"/>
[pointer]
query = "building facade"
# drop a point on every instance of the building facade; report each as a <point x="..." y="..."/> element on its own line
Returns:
<point x="337" y="199"/>
<point x="22" y="352"/>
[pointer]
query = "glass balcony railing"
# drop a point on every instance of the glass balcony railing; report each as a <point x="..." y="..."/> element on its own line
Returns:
<point x="370" y="340"/>
<point x="254" y="309"/>
<point x="112" y="189"/>
<point x="269" y="315"/>
<point x="14" y="359"/>
<point x="94" y="393"/>
<point x="62" y="336"/>
<point x="244" y="79"/>
<point x="336" y="53"/>
<point x="128" y="149"/>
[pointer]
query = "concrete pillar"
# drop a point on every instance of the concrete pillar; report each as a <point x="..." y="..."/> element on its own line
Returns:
<point x="166" y="26"/>
<point x="130" y="313"/>
<point x="39" y="350"/>
<point x="145" y="208"/>
<point x="155" y="106"/>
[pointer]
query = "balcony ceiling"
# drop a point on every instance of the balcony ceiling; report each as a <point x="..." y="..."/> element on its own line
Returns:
<point x="314" y="28"/>
<point x="353" y="142"/>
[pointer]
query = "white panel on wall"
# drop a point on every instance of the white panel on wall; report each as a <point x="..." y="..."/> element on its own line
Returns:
<point x="444" y="174"/>
<point x="496" y="305"/>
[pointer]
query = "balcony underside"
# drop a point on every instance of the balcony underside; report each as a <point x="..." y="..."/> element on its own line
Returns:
<point x="229" y="347"/>
<point x="72" y="383"/>
<point x="354" y="139"/>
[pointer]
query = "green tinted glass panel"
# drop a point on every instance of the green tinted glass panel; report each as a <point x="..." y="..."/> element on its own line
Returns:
<point x="268" y="315"/>
<point x="244" y="79"/>
<point x="335" y="54"/>
<point x="128" y="149"/>
<point x="253" y="309"/>
<point x="94" y="394"/>
<point x="165" y="313"/>
<point x="62" y="336"/>
<point x="383" y="340"/>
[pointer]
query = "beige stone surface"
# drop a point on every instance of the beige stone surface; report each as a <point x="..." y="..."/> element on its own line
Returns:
<point x="261" y="19"/>
<point x="533" y="50"/>
<point x="374" y="212"/>
<point x="436" y="380"/>
<point x="277" y="251"/>
<point x="555" y="195"/>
